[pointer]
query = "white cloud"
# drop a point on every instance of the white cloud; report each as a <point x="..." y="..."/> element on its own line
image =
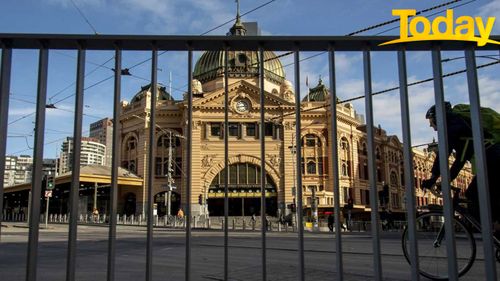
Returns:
<point x="491" y="9"/>
<point x="387" y="109"/>
<point x="79" y="3"/>
<point x="21" y="111"/>
<point x="489" y="91"/>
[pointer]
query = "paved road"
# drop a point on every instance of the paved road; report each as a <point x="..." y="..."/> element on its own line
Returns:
<point x="207" y="255"/>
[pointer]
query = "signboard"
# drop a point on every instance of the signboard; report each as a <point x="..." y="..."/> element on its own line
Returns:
<point x="48" y="193"/>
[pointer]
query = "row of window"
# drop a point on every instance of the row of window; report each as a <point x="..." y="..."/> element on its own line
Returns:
<point x="241" y="130"/>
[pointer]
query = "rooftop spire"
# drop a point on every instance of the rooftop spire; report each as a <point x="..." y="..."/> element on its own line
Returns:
<point x="238" y="28"/>
<point x="237" y="11"/>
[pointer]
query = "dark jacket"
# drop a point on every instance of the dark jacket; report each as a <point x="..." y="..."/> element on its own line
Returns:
<point x="460" y="140"/>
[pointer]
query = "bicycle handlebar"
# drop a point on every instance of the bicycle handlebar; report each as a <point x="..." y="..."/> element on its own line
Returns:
<point x="437" y="191"/>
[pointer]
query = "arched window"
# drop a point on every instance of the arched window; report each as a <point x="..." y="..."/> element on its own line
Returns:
<point x="241" y="175"/>
<point x="377" y="153"/>
<point x="344" y="169"/>
<point x="344" y="144"/>
<point x="365" y="152"/>
<point x="164" y="141"/>
<point x="394" y="178"/>
<point x="131" y="143"/>
<point x="311" y="166"/>
<point x="129" y="155"/>
<point x="168" y="149"/>
<point x="311" y="140"/>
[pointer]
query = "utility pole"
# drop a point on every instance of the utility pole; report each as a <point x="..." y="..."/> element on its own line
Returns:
<point x="170" y="170"/>
<point x="293" y="150"/>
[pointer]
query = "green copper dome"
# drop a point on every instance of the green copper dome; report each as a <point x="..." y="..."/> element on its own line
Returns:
<point x="161" y="93"/>
<point x="318" y="93"/>
<point x="241" y="64"/>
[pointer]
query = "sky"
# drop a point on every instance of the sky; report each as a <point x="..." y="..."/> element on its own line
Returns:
<point x="196" y="17"/>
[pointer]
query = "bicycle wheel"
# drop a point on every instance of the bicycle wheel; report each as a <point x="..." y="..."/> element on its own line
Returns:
<point x="432" y="255"/>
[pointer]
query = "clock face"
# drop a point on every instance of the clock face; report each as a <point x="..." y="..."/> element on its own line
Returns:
<point x="242" y="106"/>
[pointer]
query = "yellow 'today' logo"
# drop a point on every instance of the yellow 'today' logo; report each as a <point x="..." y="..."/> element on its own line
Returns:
<point x="461" y="29"/>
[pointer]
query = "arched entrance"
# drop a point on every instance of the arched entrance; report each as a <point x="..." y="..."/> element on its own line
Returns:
<point x="162" y="205"/>
<point x="244" y="192"/>
<point x="130" y="204"/>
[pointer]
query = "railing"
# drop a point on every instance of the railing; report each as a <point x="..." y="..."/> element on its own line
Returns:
<point x="366" y="45"/>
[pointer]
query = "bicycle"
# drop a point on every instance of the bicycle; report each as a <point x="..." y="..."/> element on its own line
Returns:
<point x="430" y="236"/>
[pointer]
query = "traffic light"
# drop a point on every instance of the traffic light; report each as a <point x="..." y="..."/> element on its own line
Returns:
<point x="49" y="183"/>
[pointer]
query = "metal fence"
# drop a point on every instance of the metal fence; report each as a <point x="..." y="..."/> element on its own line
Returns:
<point x="366" y="45"/>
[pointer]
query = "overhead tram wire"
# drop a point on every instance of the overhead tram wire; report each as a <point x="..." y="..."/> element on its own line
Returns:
<point x="380" y="25"/>
<point x="210" y="30"/>
<point x="102" y="65"/>
<point x="390" y="89"/>
<point x="83" y="15"/>
<point x="376" y="26"/>
<point x="397" y="20"/>
<point x="47" y="143"/>
<point x="146" y="60"/>
<point x="61" y="91"/>
<point x="137" y="64"/>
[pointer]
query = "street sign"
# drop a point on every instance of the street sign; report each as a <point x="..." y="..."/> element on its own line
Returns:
<point x="48" y="193"/>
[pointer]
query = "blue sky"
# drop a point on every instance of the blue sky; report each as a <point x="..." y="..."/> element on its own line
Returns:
<point x="194" y="17"/>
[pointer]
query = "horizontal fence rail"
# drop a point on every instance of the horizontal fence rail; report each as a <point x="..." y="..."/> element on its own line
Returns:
<point x="212" y="43"/>
<point x="331" y="44"/>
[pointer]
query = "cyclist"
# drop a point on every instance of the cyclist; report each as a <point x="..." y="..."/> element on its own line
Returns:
<point x="459" y="139"/>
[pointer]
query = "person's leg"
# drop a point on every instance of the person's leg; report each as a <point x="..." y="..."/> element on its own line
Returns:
<point x="472" y="196"/>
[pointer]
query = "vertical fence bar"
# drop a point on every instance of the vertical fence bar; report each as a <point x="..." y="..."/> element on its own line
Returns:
<point x="189" y="164"/>
<point x="334" y="163"/>
<point x="481" y="168"/>
<point x="151" y="162"/>
<point x="298" y="155"/>
<point x="36" y="181"/>
<point x="4" y="117"/>
<point x="408" y="164"/>
<point x="377" y="265"/>
<point x="262" y="163"/>
<point x="443" y="162"/>
<point x="114" y="166"/>
<point x="226" y="164"/>
<point x="75" y="164"/>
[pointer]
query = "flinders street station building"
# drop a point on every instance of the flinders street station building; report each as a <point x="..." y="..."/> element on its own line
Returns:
<point x="208" y="162"/>
<point x="244" y="134"/>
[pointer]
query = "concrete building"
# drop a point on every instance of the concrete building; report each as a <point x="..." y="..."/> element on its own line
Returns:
<point x="102" y="131"/>
<point x="92" y="153"/>
<point x="17" y="169"/>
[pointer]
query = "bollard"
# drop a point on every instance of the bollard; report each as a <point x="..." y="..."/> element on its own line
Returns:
<point x="208" y="223"/>
<point x="279" y="227"/>
<point x="222" y="224"/>
<point x="286" y="227"/>
<point x="244" y="225"/>
<point x="233" y="224"/>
